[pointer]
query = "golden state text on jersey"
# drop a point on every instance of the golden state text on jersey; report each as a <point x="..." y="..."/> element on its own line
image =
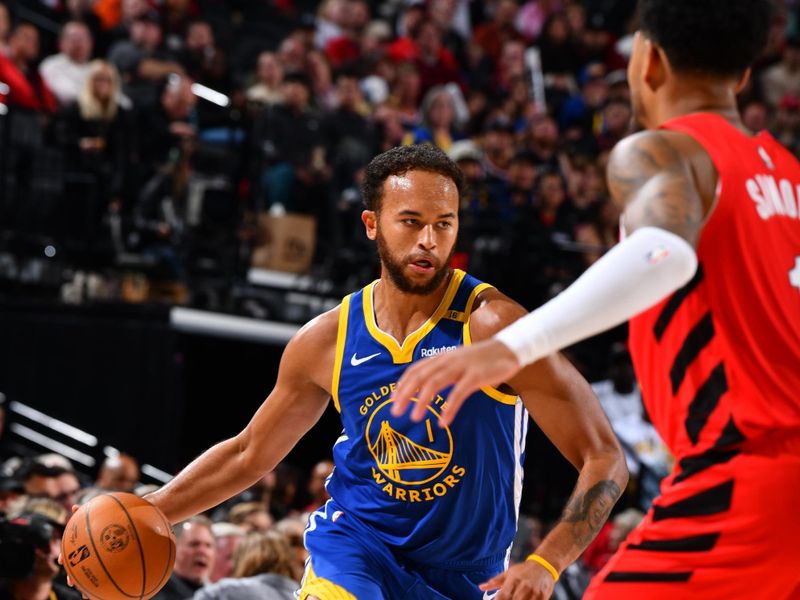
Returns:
<point x="437" y="496"/>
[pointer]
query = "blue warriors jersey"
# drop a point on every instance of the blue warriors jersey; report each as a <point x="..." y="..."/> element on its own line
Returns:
<point x="445" y="497"/>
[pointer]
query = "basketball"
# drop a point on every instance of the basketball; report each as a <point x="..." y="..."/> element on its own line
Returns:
<point x="118" y="546"/>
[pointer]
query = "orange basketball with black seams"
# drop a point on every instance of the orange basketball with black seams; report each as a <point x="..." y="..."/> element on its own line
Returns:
<point x="118" y="546"/>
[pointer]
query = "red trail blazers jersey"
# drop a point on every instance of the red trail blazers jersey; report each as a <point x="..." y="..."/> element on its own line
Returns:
<point x="719" y="360"/>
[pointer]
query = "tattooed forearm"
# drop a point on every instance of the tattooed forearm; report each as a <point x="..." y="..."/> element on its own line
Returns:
<point x="587" y="512"/>
<point x="651" y="176"/>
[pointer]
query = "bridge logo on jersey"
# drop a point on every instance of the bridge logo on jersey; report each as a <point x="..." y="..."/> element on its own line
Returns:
<point x="411" y="454"/>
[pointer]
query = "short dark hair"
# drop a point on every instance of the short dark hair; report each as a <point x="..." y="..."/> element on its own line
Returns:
<point x="400" y="160"/>
<point x="715" y="37"/>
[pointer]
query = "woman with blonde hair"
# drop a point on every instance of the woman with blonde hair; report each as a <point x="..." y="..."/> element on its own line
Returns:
<point x="263" y="569"/>
<point x="96" y="130"/>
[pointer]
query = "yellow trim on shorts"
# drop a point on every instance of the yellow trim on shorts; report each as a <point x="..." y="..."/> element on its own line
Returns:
<point x="323" y="589"/>
<point x="341" y="338"/>
<point x="493" y="393"/>
<point x="403" y="354"/>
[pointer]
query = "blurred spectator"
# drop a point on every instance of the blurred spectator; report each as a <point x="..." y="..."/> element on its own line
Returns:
<point x="118" y="474"/>
<point x="263" y="571"/>
<point x="269" y="79"/>
<point x="533" y="16"/>
<point x="321" y="78"/>
<point x="346" y="48"/>
<point x="610" y="537"/>
<point x="493" y="34"/>
<point x="601" y="232"/>
<point x="45" y="521"/>
<point x="406" y="95"/>
<point x="435" y="64"/>
<point x="203" y="60"/>
<point x="251" y="516"/>
<point x="227" y="536"/>
<point x="616" y="121"/>
<point x="786" y="127"/>
<point x="66" y="72"/>
<point x="142" y="61"/>
<point x="330" y="20"/>
<point x="755" y="116"/>
<point x="127" y="13"/>
<point x="438" y="120"/>
<point x="97" y="132"/>
<point x="292" y="54"/>
<point x="784" y="77"/>
<point x="316" y="485"/>
<point x="26" y="87"/>
<point x="557" y="46"/>
<point x="583" y="110"/>
<point x="5" y="28"/>
<point x="10" y="491"/>
<point x="290" y="143"/>
<point x="69" y="486"/>
<point x="293" y="529"/>
<point x="195" y="551"/>
<point x="543" y="141"/>
<point x="40" y="481"/>
<point x="497" y="143"/>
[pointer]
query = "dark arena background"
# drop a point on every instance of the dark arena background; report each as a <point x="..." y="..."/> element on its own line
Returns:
<point x="179" y="193"/>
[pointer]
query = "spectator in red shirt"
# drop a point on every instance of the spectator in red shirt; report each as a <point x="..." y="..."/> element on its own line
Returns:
<point x="26" y="88"/>
<point x="492" y="35"/>
<point x="436" y="65"/>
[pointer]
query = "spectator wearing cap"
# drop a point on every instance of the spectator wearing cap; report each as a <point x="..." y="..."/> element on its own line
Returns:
<point x="616" y="123"/>
<point x="26" y="87"/>
<point x="44" y="521"/>
<point x="583" y="110"/>
<point x="266" y="91"/>
<point x="67" y="71"/>
<point x="497" y="144"/>
<point x="438" y="120"/>
<point x="784" y="77"/>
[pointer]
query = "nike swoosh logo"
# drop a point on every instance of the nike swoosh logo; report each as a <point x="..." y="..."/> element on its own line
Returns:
<point x="355" y="361"/>
<point x="489" y="595"/>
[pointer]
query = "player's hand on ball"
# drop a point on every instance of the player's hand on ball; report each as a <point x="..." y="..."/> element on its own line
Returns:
<point x="525" y="581"/>
<point x="467" y="369"/>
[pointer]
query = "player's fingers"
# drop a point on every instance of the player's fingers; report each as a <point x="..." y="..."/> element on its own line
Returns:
<point x="456" y="398"/>
<point x="508" y="589"/>
<point x="435" y="381"/>
<point x="494" y="583"/>
<point x="408" y="384"/>
<point x="75" y="507"/>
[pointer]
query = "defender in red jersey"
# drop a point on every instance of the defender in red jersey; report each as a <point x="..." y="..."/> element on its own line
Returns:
<point x="709" y="274"/>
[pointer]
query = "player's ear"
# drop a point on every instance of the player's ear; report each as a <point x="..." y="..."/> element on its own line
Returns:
<point x="744" y="80"/>
<point x="370" y="220"/>
<point x="656" y="65"/>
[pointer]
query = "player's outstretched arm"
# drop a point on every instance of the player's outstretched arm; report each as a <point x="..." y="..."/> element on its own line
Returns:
<point x="563" y="405"/>
<point x="666" y="183"/>
<point x="296" y="403"/>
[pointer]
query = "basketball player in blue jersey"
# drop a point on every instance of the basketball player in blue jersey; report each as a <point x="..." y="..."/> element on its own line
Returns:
<point x="417" y="511"/>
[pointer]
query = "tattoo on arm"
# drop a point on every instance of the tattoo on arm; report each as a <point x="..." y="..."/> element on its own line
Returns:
<point x="650" y="174"/>
<point x="587" y="512"/>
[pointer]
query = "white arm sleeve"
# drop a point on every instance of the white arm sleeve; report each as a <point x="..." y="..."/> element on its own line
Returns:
<point x="633" y="276"/>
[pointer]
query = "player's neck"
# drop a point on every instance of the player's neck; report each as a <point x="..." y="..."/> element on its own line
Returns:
<point x="696" y="94"/>
<point x="399" y="313"/>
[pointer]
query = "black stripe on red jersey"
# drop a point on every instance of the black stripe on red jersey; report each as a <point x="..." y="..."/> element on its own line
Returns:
<point x="719" y="453"/>
<point x="674" y="303"/>
<point x="708" y="502"/>
<point x="695" y="543"/>
<point x="699" y="337"/>
<point x="647" y="577"/>
<point x="705" y="401"/>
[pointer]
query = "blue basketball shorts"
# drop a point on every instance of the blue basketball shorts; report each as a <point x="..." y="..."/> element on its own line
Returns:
<point x="347" y="562"/>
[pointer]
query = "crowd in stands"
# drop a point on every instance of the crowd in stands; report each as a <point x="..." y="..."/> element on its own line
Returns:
<point x="171" y="123"/>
